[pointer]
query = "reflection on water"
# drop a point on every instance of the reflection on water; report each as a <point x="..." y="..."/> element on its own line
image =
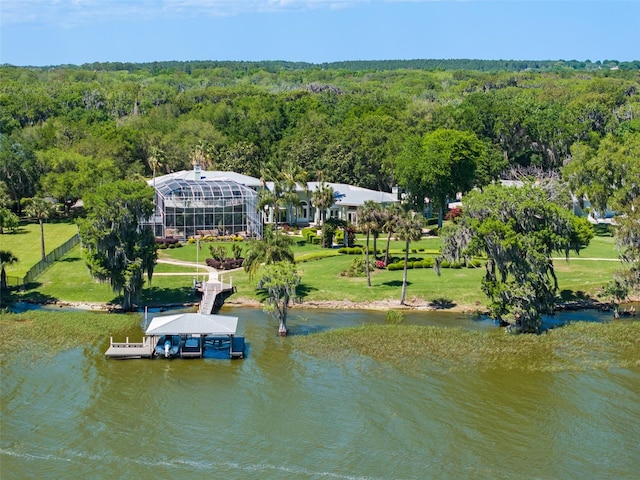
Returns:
<point x="281" y="414"/>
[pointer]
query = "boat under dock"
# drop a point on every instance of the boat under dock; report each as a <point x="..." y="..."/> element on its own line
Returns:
<point x="193" y="335"/>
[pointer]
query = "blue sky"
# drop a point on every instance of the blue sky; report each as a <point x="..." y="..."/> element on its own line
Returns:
<point x="53" y="32"/>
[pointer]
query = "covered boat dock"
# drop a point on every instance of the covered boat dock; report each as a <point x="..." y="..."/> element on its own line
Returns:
<point x="197" y="336"/>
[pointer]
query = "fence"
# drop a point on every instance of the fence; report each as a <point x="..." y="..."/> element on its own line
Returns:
<point x="42" y="265"/>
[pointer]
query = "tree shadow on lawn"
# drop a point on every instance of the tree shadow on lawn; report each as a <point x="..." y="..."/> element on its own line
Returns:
<point x="165" y="296"/>
<point x="302" y="292"/>
<point x="31" y="295"/>
<point x="442" y="303"/>
<point x="16" y="231"/>
<point x="395" y="283"/>
<point x="70" y="259"/>
<point x="576" y="296"/>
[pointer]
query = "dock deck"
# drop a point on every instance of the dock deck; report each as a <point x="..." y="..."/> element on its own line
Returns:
<point x="193" y="335"/>
<point x="128" y="349"/>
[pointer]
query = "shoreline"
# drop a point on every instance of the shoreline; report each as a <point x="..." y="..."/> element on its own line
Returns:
<point x="413" y="305"/>
<point x="378" y="305"/>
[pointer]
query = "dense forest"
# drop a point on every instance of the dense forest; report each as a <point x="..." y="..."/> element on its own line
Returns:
<point x="65" y="130"/>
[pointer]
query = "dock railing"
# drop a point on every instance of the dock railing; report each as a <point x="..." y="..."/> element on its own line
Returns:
<point x="129" y="349"/>
<point x="146" y="342"/>
<point x="210" y="290"/>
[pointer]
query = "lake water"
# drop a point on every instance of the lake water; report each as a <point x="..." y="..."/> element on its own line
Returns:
<point x="280" y="414"/>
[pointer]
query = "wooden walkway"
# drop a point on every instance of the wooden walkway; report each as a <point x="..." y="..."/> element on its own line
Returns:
<point x="214" y="291"/>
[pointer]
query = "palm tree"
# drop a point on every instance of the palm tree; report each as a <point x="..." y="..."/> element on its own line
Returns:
<point x="290" y="177"/>
<point x="368" y="220"/>
<point x="322" y="198"/>
<point x="409" y="230"/>
<point x="272" y="248"/>
<point x="201" y="155"/>
<point x="269" y="198"/>
<point x="154" y="161"/>
<point x="6" y="258"/>
<point x="39" y="209"/>
<point x="391" y="215"/>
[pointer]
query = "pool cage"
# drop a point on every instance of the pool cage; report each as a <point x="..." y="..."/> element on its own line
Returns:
<point x="192" y="208"/>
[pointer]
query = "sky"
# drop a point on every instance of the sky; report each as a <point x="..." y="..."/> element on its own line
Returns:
<point x="57" y="32"/>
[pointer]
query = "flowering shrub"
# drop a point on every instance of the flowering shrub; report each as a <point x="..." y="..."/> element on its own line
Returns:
<point x="453" y="214"/>
<point x="380" y="264"/>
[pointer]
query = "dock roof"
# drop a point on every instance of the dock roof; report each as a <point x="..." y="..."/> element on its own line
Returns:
<point x="193" y="323"/>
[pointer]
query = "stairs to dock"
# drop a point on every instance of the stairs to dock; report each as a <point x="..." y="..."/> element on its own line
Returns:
<point x="214" y="293"/>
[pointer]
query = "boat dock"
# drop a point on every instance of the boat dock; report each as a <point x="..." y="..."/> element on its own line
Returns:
<point x="214" y="293"/>
<point x="128" y="349"/>
<point x="186" y="335"/>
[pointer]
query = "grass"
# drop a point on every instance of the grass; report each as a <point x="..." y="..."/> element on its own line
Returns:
<point x="35" y="334"/>
<point x="68" y="279"/>
<point x="579" y="346"/>
<point x="25" y="243"/>
<point x="576" y="347"/>
<point x="599" y="247"/>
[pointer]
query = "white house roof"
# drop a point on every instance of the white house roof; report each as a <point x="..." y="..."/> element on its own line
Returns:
<point x="347" y="195"/>
<point x="352" y="196"/>
<point x="212" y="176"/>
<point x="193" y="323"/>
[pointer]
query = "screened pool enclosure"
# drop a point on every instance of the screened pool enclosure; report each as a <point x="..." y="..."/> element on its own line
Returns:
<point x="188" y="208"/>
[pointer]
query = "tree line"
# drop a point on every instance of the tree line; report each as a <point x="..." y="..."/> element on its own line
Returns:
<point x="66" y="132"/>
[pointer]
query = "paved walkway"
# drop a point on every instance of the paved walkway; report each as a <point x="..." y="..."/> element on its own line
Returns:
<point x="589" y="259"/>
<point x="212" y="272"/>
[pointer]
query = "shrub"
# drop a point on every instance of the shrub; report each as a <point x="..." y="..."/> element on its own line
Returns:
<point x="448" y="264"/>
<point x="213" y="263"/>
<point x="307" y="232"/>
<point x="357" y="268"/>
<point x="167" y="241"/>
<point x="428" y="262"/>
<point x="218" y="252"/>
<point x="380" y="264"/>
<point x="350" y="250"/>
<point x="453" y="214"/>
<point x="475" y="263"/>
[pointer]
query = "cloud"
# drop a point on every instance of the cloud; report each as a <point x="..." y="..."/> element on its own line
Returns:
<point x="70" y="13"/>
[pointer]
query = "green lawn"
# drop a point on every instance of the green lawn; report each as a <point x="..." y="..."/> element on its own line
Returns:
<point x="25" y="243"/>
<point x="68" y="279"/>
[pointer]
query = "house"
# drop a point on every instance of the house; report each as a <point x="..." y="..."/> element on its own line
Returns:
<point x="198" y="202"/>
